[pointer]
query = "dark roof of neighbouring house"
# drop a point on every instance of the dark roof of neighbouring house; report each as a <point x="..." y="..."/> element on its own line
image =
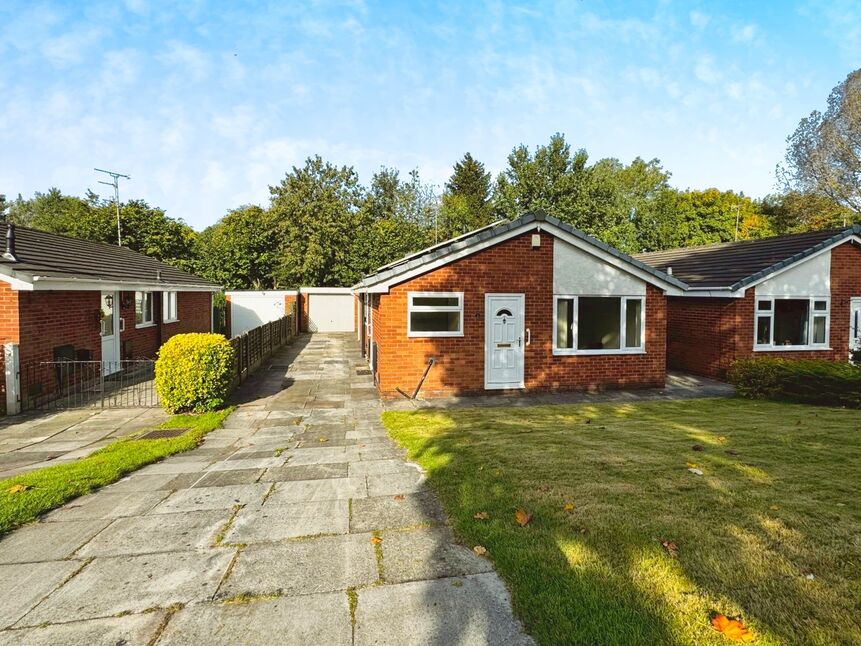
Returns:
<point x="732" y="265"/>
<point x="42" y="255"/>
<point x="455" y="246"/>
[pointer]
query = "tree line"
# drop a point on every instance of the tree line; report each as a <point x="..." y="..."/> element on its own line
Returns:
<point x="323" y="227"/>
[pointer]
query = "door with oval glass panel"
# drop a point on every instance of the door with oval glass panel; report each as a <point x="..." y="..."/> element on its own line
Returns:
<point x="505" y="339"/>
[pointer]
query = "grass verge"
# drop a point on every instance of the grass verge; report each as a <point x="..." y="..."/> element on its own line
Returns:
<point x="25" y="497"/>
<point x="769" y="531"/>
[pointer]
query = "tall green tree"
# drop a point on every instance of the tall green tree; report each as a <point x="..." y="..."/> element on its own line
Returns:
<point x="465" y="201"/>
<point x="316" y="209"/>
<point x="240" y="250"/>
<point x="823" y="155"/>
<point x="794" y="212"/>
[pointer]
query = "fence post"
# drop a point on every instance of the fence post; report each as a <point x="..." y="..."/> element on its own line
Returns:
<point x="12" y="358"/>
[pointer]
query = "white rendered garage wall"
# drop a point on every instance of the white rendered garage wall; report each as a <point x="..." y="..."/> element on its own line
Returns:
<point x="249" y="310"/>
<point x="330" y="309"/>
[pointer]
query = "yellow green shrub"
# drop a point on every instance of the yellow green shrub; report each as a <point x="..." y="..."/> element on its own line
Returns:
<point x="193" y="372"/>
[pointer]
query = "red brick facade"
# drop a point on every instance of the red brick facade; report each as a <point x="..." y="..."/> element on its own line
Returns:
<point x="513" y="266"/>
<point x="705" y="335"/>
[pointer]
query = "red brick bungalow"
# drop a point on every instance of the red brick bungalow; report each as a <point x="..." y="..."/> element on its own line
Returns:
<point x="795" y="296"/>
<point x="64" y="298"/>
<point x="531" y="304"/>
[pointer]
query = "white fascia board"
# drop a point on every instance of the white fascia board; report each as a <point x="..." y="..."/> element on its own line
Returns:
<point x="709" y="292"/>
<point x="16" y="281"/>
<point x="41" y="283"/>
<point x="326" y="290"/>
<point x="263" y="293"/>
<point x="847" y="240"/>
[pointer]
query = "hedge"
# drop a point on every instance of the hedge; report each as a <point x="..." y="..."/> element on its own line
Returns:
<point x="810" y="381"/>
<point x="193" y="372"/>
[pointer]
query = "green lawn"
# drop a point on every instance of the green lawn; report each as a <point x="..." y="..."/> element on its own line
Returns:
<point x="23" y="498"/>
<point x="777" y="501"/>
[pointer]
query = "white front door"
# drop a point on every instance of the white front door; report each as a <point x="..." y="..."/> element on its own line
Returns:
<point x="855" y="323"/>
<point x="503" y="341"/>
<point x="110" y="332"/>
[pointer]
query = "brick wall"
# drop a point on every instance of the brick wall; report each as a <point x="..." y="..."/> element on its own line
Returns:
<point x="51" y="319"/>
<point x="291" y="307"/>
<point x="512" y="266"/>
<point x="194" y="311"/>
<point x="706" y="335"/>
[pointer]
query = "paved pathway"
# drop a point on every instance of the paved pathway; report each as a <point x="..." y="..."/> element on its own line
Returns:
<point x="37" y="440"/>
<point x="263" y="535"/>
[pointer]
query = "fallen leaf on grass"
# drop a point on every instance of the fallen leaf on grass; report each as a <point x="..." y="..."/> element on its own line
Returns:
<point x="400" y="496"/>
<point x="482" y="515"/>
<point x="568" y="506"/>
<point x="731" y="627"/>
<point x="773" y="507"/>
<point x="376" y="540"/>
<point x="324" y="439"/>
<point x="18" y="488"/>
<point x="691" y="465"/>
<point x="479" y="550"/>
<point x="672" y="548"/>
<point x="522" y="517"/>
<point x="696" y="472"/>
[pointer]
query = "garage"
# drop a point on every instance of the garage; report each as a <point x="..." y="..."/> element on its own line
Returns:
<point x="249" y="309"/>
<point x="329" y="309"/>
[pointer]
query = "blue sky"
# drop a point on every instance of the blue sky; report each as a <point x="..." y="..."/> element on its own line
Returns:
<point x="207" y="104"/>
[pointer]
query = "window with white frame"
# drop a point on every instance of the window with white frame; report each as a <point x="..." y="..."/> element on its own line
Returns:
<point x="435" y="314"/>
<point x="168" y="307"/>
<point x="791" y="323"/>
<point x="598" y="324"/>
<point x="143" y="309"/>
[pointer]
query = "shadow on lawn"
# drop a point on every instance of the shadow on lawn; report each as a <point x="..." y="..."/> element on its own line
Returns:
<point x="599" y="574"/>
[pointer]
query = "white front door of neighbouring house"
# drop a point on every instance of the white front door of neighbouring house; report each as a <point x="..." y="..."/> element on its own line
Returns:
<point x="503" y="341"/>
<point x="110" y="332"/>
<point x="855" y="323"/>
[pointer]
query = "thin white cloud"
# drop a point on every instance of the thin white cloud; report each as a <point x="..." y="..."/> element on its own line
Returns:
<point x="699" y="19"/>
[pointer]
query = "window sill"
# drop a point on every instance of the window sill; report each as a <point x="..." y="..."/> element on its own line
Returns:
<point x="143" y="326"/>
<point x="171" y="321"/>
<point x="794" y="348"/>
<point x="433" y="335"/>
<point x="587" y="353"/>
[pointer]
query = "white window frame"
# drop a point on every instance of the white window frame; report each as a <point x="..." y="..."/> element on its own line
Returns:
<point x="641" y="349"/>
<point x="166" y="298"/>
<point x="812" y="313"/>
<point x="145" y="322"/>
<point x="434" y="308"/>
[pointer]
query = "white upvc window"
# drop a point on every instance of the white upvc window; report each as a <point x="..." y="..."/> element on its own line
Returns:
<point x="143" y="309"/>
<point x="168" y="307"/>
<point x="434" y="314"/>
<point x="792" y="323"/>
<point x="599" y="324"/>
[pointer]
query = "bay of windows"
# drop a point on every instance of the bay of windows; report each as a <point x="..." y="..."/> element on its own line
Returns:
<point x="791" y="323"/>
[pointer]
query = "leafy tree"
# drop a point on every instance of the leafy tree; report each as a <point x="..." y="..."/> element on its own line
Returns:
<point x="466" y="200"/>
<point x="4" y="207"/>
<point x="239" y="251"/>
<point x="316" y="210"/>
<point x="823" y="155"/>
<point x="795" y="212"/>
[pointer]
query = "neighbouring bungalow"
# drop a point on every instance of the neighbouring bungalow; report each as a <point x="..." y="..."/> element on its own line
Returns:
<point x="66" y="299"/>
<point x="531" y="304"/>
<point x="794" y="296"/>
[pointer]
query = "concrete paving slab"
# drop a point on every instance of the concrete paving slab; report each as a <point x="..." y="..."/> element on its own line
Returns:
<point x="292" y="621"/>
<point x="381" y="467"/>
<point x="171" y="466"/>
<point x="22" y="586"/>
<point x="253" y="463"/>
<point x="421" y="554"/>
<point x="468" y="611"/>
<point x="306" y="472"/>
<point x="158" y="533"/>
<point x="323" y="455"/>
<point x="314" y="490"/>
<point x="108" y="505"/>
<point x="141" y="482"/>
<point x="113" y="585"/>
<point x="130" y="630"/>
<point x="386" y="512"/>
<point x="232" y="477"/>
<point x="322" y="564"/>
<point x="393" y="484"/>
<point x="199" y="499"/>
<point x="279" y="522"/>
<point x="48" y="541"/>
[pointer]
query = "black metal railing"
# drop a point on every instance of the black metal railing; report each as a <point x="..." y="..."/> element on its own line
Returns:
<point x="60" y="385"/>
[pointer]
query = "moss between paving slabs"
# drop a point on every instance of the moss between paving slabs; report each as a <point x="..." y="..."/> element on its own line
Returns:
<point x="776" y="505"/>
<point x="50" y="487"/>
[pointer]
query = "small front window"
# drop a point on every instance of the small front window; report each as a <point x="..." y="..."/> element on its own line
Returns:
<point x="143" y="309"/>
<point x="435" y="314"/>
<point x="169" y="308"/>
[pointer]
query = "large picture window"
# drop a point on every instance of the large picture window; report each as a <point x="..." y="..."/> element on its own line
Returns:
<point x="791" y="323"/>
<point x="143" y="309"/>
<point x="598" y="324"/>
<point x="435" y="314"/>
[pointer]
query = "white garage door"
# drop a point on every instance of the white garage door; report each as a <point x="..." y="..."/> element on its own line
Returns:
<point x="249" y="310"/>
<point x="331" y="312"/>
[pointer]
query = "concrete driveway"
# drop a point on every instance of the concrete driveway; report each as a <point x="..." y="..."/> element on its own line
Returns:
<point x="300" y="522"/>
